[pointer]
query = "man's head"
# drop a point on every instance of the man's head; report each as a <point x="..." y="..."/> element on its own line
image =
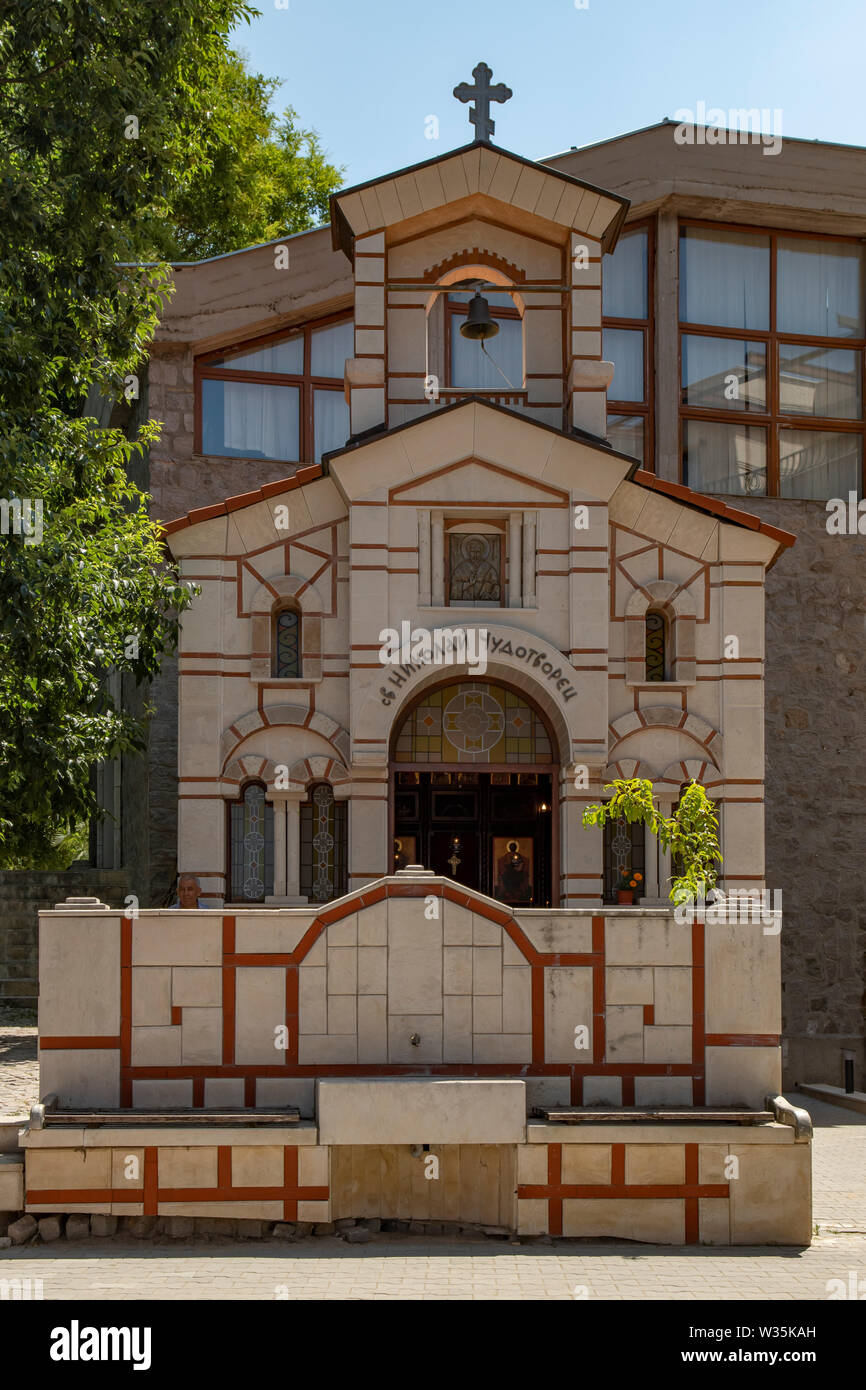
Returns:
<point x="188" y="890"/>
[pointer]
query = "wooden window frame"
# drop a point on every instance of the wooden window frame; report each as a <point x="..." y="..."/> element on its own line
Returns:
<point x="646" y="407"/>
<point x="772" y="420"/>
<point x="306" y="383"/>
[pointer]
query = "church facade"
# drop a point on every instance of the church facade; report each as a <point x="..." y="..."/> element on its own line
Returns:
<point x="732" y="310"/>
<point x="444" y="610"/>
<point x="589" y="616"/>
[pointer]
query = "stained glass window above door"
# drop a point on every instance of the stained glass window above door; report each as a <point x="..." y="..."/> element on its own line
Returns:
<point x="473" y="722"/>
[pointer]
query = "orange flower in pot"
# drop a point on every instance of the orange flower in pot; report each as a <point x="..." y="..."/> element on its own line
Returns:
<point x="626" y="886"/>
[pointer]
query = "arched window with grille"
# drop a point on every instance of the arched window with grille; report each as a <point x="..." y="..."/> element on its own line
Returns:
<point x="657" y="654"/>
<point x="251" y="839"/>
<point x="286" y="644"/>
<point x="624" y="855"/>
<point x="323" y="845"/>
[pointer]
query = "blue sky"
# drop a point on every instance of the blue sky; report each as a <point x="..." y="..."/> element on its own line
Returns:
<point x="366" y="74"/>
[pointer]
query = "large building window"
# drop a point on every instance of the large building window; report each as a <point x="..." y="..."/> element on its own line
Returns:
<point x="276" y="398"/>
<point x="628" y="342"/>
<point x="251" y="838"/>
<point x="323" y="845"/>
<point x="772" y="339"/>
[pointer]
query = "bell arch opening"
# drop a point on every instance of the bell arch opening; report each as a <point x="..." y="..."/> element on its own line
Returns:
<point x="474" y="793"/>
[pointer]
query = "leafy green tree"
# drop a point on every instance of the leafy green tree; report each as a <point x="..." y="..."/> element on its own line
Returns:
<point x="691" y="833"/>
<point x="263" y="176"/>
<point x="102" y="124"/>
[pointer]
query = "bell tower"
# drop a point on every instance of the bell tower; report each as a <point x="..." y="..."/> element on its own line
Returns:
<point x="477" y="273"/>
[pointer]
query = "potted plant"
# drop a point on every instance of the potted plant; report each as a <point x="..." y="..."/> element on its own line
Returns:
<point x="691" y="834"/>
<point x="627" y="883"/>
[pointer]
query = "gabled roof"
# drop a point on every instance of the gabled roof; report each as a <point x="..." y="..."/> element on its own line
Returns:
<point x="723" y="510"/>
<point x="244" y="499"/>
<point x="671" y="121"/>
<point x="477" y="168"/>
<point x="686" y="496"/>
<point x="379" y="431"/>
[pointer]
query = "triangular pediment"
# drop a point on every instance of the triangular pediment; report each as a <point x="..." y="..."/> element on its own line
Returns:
<point x="508" y="450"/>
<point x="475" y="482"/>
<point x="427" y="194"/>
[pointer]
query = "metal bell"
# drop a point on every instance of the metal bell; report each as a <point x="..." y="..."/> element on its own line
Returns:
<point x="478" y="322"/>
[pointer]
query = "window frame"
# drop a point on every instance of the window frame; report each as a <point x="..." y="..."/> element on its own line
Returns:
<point x="238" y="800"/>
<point x="306" y="383"/>
<point x="647" y="326"/>
<point x="772" y="420"/>
<point x="286" y="606"/>
<point x="341" y="841"/>
<point x="668" y="664"/>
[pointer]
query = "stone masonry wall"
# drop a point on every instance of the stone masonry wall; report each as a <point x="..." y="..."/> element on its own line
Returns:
<point x="22" y="894"/>
<point x="816" y="780"/>
<point x="180" y="479"/>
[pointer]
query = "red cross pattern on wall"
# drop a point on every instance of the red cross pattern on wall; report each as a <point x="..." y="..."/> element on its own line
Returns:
<point x="555" y="1191"/>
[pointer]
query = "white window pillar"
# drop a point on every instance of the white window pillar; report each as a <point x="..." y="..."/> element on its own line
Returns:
<point x="529" y="520"/>
<point x="279" y="849"/>
<point x="515" y="562"/>
<point x="651" y="866"/>
<point x="437" y="543"/>
<point x="293" y="848"/>
<point x="287" y="851"/>
<point x="423" y="557"/>
<point x="664" y="857"/>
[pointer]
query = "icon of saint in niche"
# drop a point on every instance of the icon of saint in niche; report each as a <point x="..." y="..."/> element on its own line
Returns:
<point x="513" y="875"/>
<point x="475" y="569"/>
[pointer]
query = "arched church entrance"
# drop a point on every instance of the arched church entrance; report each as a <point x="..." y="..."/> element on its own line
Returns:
<point x="474" y="791"/>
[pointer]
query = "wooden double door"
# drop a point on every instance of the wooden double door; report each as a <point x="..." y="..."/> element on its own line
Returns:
<point x="486" y="830"/>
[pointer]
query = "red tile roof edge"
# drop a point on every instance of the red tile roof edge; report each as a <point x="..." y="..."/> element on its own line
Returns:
<point x="723" y="510"/>
<point x="243" y="499"/>
<point x="677" y="491"/>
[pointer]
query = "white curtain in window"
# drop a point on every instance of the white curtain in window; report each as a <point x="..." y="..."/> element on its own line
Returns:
<point x="819" y="381"/>
<point x="819" y="464"/>
<point x="724" y="278"/>
<point x="330" y="347"/>
<point x="725" y="458"/>
<point x="626" y="433"/>
<point x="820" y="288"/>
<point x="625" y="278"/>
<point x="287" y="357"/>
<point x="624" y="348"/>
<point x="261" y="421"/>
<point x="330" y="422"/>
